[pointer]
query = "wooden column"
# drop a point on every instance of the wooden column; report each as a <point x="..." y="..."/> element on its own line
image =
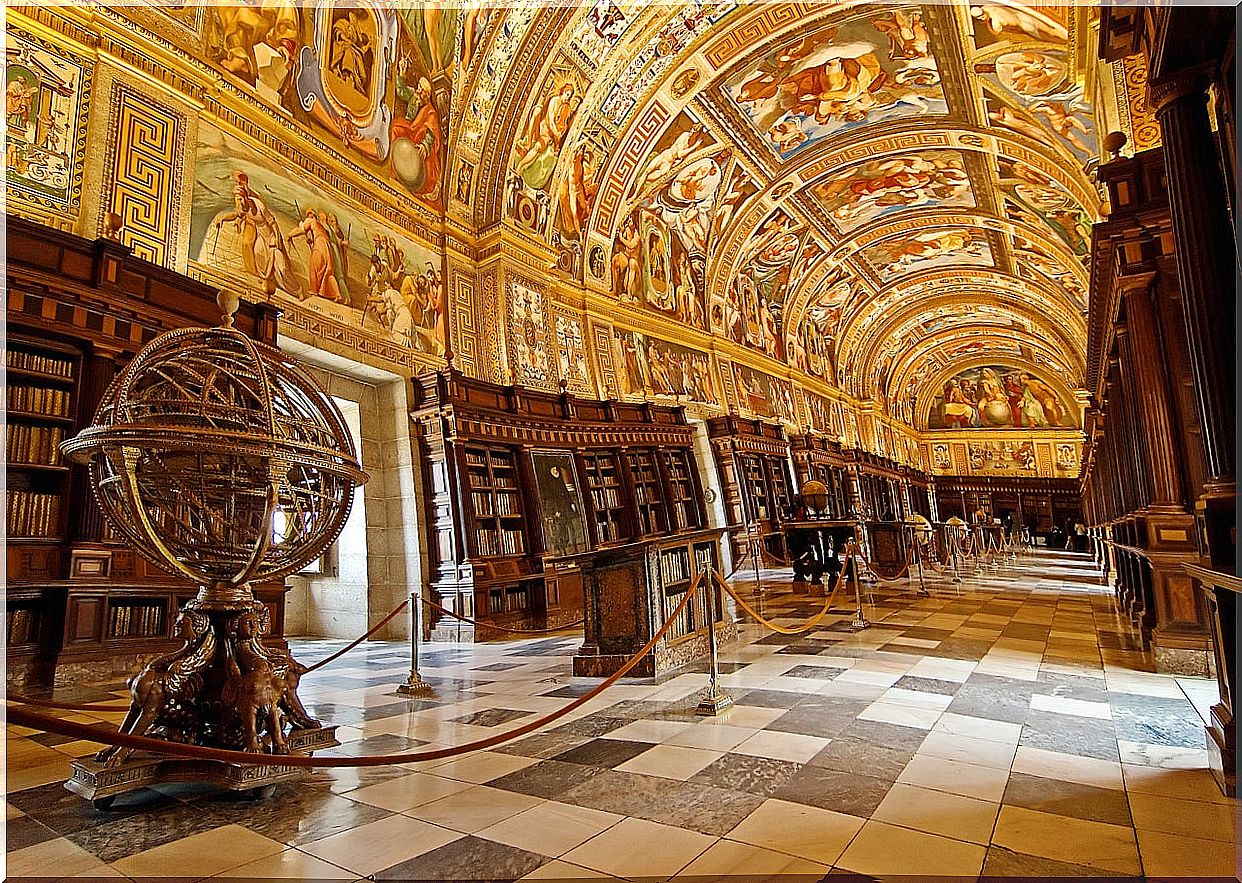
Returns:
<point x="1203" y="234"/>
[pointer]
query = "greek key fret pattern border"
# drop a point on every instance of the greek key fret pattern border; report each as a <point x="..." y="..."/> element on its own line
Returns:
<point x="146" y="153"/>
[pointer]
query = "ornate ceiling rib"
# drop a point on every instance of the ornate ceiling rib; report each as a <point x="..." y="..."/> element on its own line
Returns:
<point x="811" y="181"/>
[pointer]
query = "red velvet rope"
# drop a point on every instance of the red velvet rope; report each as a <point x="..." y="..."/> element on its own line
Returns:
<point x="501" y="628"/>
<point x="26" y="718"/>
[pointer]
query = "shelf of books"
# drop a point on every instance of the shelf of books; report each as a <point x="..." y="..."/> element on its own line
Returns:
<point x="678" y="565"/>
<point x="40" y="396"/>
<point x="648" y="492"/>
<point x="495" y="500"/>
<point x="683" y="499"/>
<point x="607" y="500"/>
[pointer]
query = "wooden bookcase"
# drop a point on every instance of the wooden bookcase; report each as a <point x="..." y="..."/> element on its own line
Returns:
<point x="608" y="503"/>
<point x="486" y="455"/>
<point x="41" y="398"/>
<point x="82" y="605"/>
<point x="752" y="458"/>
<point x="495" y="500"/>
<point x="683" y="499"/>
<point x="650" y="499"/>
<point x="816" y="457"/>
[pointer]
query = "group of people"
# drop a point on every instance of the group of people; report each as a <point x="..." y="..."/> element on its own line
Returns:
<point x="409" y="304"/>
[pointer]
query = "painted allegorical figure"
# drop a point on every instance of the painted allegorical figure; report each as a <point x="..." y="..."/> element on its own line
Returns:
<point x="260" y="240"/>
<point x="418" y="136"/>
<point x="539" y="145"/>
<point x="322" y="266"/>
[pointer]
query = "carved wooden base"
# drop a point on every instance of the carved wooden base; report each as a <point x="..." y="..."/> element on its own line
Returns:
<point x="101" y="783"/>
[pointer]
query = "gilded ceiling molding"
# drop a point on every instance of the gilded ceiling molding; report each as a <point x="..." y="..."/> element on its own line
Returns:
<point x="866" y="331"/>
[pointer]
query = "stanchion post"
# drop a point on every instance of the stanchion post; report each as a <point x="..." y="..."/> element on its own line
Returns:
<point x="414" y="684"/>
<point x="860" y="621"/>
<point x="955" y="551"/>
<point x="716" y="700"/>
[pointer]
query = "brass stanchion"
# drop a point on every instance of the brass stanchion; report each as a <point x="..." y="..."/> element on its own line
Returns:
<point x="414" y="684"/>
<point x="716" y="699"/>
<point x="860" y="621"/>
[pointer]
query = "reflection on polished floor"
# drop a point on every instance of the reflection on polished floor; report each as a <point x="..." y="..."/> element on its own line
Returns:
<point x="1010" y="726"/>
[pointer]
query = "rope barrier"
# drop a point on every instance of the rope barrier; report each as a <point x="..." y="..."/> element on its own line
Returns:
<point x="99" y="706"/>
<point x="809" y="624"/>
<point x="501" y="628"/>
<point x="67" y="706"/>
<point x="354" y="643"/>
<point x="26" y="718"/>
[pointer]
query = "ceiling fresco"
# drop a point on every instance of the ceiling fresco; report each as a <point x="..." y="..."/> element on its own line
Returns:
<point x="864" y="193"/>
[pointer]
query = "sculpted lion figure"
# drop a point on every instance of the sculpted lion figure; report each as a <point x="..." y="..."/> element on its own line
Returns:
<point x="261" y="685"/>
<point x="163" y="695"/>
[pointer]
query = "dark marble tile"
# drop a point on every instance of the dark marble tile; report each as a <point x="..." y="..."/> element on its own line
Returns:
<point x="928" y="685"/>
<point x="499" y="666"/>
<point x="295" y="815"/>
<point x="637" y="709"/>
<point x="687" y="805"/>
<point x="593" y="725"/>
<point x="863" y="758"/>
<point x="1068" y="799"/>
<point x="374" y="746"/>
<point x="831" y="789"/>
<point x="819" y="672"/>
<point x="606" y="753"/>
<point x="67" y="813"/>
<point x="1071" y="687"/>
<point x="541" y="745"/>
<point x="971" y="649"/>
<point x="743" y="772"/>
<point x="1007" y="865"/>
<point x="548" y="779"/>
<point x="145" y="830"/>
<point x="470" y="858"/>
<point x="24" y="831"/>
<point x="927" y="634"/>
<point x="776" y="638"/>
<point x="769" y="698"/>
<point x="992" y="703"/>
<point x="884" y="735"/>
<point x="1157" y="721"/>
<point x="807" y="647"/>
<point x="813" y="722"/>
<point x="379" y="712"/>
<point x="492" y="717"/>
<point x="1070" y="734"/>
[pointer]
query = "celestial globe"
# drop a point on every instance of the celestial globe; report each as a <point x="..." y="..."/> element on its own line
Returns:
<point x="219" y="459"/>
<point x="815" y="495"/>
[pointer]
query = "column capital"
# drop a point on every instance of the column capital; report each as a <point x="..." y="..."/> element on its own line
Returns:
<point x="1189" y="85"/>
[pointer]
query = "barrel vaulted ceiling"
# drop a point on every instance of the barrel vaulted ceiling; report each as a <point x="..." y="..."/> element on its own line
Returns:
<point x="870" y="194"/>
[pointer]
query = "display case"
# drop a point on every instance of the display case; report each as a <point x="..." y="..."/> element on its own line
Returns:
<point x="634" y="589"/>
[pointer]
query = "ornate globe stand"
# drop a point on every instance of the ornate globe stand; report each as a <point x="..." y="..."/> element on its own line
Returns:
<point x="221" y="461"/>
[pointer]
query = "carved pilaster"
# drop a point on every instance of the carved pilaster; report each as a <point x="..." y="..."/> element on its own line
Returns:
<point x="1149" y="391"/>
<point x="1202" y="232"/>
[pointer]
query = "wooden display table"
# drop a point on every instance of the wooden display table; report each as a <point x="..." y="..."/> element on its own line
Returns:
<point x="630" y="590"/>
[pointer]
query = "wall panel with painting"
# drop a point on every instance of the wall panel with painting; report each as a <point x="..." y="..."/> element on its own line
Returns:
<point x="522" y="481"/>
<point x="76" y="312"/>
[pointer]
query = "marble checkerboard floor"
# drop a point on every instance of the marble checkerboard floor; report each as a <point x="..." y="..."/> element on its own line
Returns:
<point x="1007" y="727"/>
